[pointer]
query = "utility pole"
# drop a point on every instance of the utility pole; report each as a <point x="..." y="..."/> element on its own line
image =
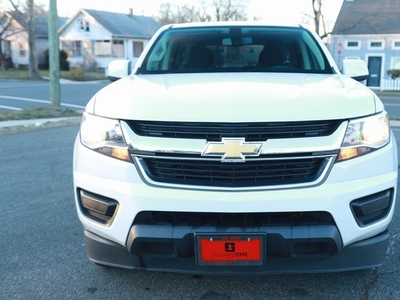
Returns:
<point x="54" y="54"/>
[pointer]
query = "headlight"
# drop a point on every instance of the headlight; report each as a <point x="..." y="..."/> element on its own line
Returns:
<point x="365" y="135"/>
<point x="104" y="136"/>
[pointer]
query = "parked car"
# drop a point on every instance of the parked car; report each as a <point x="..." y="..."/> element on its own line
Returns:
<point x="236" y="148"/>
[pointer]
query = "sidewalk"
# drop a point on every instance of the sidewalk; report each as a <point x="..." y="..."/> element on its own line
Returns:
<point x="38" y="122"/>
<point x="395" y="123"/>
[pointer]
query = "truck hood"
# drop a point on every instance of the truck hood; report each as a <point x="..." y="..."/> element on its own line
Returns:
<point x="235" y="97"/>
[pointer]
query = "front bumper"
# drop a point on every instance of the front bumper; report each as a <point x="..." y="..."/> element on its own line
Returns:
<point x="373" y="252"/>
<point x="334" y="246"/>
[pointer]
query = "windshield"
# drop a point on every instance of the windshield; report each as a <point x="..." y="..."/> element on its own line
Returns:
<point x="235" y="49"/>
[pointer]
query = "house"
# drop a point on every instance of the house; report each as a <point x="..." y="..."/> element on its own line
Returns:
<point x="93" y="38"/>
<point x="369" y="30"/>
<point x="14" y="38"/>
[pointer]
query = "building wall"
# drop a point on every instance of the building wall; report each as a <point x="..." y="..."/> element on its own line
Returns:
<point x="18" y="39"/>
<point x="92" y="35"/>
<point x="375" y="50"/>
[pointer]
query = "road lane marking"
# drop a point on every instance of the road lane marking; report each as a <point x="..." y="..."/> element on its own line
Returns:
<point x="39" y="101"/>
<point x="23" y="99"/>
<point x="10" y="107"/>
<point x="25" y="84"/>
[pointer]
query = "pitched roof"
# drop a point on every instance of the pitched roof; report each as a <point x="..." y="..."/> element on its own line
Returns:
<point x="42" y="25"/>
<point x="41" y="22"/>
<point x="368" y="17"/>
<point x="119" y="24"/>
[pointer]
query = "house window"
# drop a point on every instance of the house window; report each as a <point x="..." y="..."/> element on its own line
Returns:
<point x="118" y="48"/>
<point x="22" y="51"/>
<point x="7" y="48"/>
<point x="102" y="48"/>
<point x="353" y="45"/>
<point x="396" y="44"/>
<point x="84" y="25"/>
<point x="77" y="48"/>
<point x="378" y="45"/>
<point x="74" y="48"/>
<point x="395" y="63"/>
<point x="137" y="49"/>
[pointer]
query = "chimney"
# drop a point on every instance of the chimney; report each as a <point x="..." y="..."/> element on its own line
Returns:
<point x="130" y="12"/>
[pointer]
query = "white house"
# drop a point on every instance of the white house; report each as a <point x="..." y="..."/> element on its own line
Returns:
<point x="93" y="38"/>
<point x="14" y="38"/>
<point x="370" y="30"/>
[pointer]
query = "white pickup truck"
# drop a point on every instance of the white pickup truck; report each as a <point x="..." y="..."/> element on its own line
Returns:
<point x="236" y="148"/>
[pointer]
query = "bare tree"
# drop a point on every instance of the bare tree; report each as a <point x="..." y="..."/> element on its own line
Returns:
<point x="230" y="10"/>
<point x="169" y="13"/>
<point x="6" y="30"/>
<point x="203" y="11"/>
<point x="29" y="24"/>
<point x="319" y="21"/>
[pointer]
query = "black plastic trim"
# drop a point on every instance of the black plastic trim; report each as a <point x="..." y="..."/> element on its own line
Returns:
<point x="373" y="249"/>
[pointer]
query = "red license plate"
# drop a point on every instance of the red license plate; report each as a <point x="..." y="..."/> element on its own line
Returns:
<point x="230" y="250"/>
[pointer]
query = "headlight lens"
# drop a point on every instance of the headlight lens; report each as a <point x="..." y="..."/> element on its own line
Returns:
<point x="104" y="136"/>
<point x="365" y="135"/>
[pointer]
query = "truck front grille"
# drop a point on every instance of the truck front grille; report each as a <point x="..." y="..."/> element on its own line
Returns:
<point x="252" y="173"/>
<point x="258" y="131"/>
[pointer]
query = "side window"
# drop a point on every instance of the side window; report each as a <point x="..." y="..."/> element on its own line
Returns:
<point x="74" y="48"/>
<point x="118" y="48"/>
<point x="77" y="48"/>
<point x="22" y="51"/>
<point x="156" y="56"/>
<point x="84" y="25"/>
<point x="7" y="47"/>
<point x="314" y="59"/>
<point x="137" y="49"/>
<point x="395" y="63"/>
<point x="102" y="48"/>
<point x="353" y="45"/>
<point x="376" y="45"/>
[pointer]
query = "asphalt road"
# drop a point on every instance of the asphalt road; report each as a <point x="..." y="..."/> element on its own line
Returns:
<point x="16" y="95"/>
<point x="42" y="253"/>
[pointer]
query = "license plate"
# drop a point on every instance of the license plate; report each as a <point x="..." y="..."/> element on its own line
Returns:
<point x="230" y="250"/>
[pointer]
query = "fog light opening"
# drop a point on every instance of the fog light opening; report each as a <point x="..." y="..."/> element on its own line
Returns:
<point x="98" y="208"/>
<point x="372" y="208"/>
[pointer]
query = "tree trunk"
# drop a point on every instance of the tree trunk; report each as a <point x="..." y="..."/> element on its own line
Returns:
<point x="2" y="57"/>
<point x="33" y="67"/>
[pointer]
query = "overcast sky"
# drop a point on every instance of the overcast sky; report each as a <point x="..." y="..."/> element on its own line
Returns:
<point x="268" y="10"/>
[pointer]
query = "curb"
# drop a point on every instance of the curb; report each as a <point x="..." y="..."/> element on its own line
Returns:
<point x="35" y="122"/>
<point x="394" y="123"/>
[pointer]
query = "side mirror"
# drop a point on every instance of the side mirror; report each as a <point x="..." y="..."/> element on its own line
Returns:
<point x="118" y="69"/>
<point x="355" y="68"/>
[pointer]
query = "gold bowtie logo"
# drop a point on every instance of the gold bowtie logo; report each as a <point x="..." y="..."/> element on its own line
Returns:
<point x="232" y="149"/>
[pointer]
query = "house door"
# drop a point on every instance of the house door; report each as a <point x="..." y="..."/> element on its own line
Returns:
<point x="374" y="67"/>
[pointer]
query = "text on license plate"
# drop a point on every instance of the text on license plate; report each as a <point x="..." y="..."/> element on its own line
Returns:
<point x="230" y="250"/>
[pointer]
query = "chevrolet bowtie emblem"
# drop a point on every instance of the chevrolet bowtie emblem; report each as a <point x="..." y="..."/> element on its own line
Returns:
<point x="232" y="149"/>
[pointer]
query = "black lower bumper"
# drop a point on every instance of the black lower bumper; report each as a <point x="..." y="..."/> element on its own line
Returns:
<point x="315" y="254"/>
